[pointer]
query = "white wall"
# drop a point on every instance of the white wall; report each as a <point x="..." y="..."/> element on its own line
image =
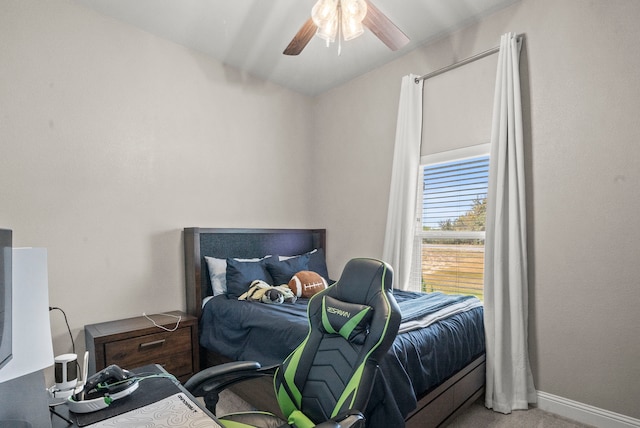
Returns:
<point x="113" y="140"/>
<point x="581" y="88"/>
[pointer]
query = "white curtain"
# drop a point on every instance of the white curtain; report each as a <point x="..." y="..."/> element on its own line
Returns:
<point x="509" y="381"/>
<point x="398" y="238"/>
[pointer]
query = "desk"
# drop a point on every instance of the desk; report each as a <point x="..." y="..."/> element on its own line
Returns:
<point x="149" y="391"/>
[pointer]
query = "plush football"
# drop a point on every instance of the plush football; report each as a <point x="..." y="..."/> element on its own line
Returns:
<point x="307" y="283"/>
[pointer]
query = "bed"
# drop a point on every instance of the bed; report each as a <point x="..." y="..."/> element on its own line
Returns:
<point x="429" y="375"/>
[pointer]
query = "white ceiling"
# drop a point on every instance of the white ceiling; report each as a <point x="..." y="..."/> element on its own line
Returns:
<point x="251" y="34"/>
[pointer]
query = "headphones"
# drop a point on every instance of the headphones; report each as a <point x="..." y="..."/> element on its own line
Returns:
<point x="102" y="389"/>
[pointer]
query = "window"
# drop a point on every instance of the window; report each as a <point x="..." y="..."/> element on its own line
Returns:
<point x="452" y="205"/>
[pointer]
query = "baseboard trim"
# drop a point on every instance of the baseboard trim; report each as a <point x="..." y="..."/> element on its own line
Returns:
<point x="584" y="413"/>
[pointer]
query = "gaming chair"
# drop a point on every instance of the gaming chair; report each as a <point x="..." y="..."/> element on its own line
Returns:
<point x="327" y="380"/>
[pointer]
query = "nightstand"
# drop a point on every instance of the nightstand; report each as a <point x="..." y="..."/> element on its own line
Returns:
<point x="135" y="342"/>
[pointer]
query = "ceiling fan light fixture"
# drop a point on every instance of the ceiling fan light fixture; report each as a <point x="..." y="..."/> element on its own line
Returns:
<point x="351" y="28"/>
<point x="353" y="12"/>
<point x="345" y="20"/>
<point x="330" y="16"/>
<point x="328" y="30"/>
<point x="324" y="11"/>
<point x="354" y="9"/>
<point x="325" y="16"/>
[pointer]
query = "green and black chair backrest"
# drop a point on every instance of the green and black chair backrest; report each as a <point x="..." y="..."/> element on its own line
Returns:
<point x="352" y="324"/>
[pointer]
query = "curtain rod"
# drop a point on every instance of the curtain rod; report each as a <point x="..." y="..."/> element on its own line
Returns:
<point x="463" y="62"/>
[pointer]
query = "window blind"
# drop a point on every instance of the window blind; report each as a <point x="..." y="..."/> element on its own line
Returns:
<point x="454" y="195"/>
<point x="452" y="216"/>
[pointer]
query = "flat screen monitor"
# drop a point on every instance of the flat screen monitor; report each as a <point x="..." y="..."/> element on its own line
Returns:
<point x="5" y="295"/>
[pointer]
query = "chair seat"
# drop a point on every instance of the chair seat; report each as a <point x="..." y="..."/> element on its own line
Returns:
<point x="254" y="419"/>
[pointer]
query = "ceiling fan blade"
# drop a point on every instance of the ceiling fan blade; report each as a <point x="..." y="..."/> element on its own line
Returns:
<point x="383" y="28"/>
<point x="301" y="38"/>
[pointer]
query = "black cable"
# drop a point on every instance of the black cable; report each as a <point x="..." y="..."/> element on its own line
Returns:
<point x="73" y="345"/>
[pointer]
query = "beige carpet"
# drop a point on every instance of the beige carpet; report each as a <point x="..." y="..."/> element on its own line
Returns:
<point x="476" y="416"/>
<point x="479" y="416"/>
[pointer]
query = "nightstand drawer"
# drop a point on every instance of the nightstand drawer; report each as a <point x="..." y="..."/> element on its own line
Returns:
<point x="169" y="349"/>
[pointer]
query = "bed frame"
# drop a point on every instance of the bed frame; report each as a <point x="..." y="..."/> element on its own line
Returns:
<point x="435" y="408"/>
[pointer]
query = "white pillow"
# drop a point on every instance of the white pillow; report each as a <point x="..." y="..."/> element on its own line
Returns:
<point x="218" y="272"/>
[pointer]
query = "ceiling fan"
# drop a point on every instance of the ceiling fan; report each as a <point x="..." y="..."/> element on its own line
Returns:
<point x="343" y="19"/>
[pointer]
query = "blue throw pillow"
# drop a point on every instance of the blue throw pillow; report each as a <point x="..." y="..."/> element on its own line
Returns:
<point x="283" y="270"/>
<point x="240" y="275"/>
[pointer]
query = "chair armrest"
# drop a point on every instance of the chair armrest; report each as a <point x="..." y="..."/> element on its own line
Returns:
<point x="225" y="369"/>
<point x="218" y="378"/>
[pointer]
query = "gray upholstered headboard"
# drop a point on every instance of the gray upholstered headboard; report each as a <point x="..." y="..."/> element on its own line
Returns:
<point x="244" y="243"/>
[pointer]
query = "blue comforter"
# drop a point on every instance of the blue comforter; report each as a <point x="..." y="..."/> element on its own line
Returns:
<point x="424" y="304"/>
<point x="418" y="361"/>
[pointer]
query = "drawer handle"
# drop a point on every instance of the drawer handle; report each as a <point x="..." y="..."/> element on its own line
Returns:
<point x="154" y="344"/>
